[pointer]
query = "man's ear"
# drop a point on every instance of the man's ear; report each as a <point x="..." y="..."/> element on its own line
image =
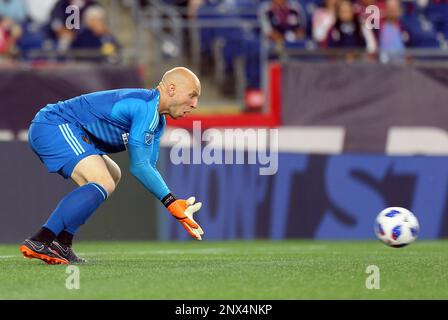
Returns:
<point x="171" y="90"/>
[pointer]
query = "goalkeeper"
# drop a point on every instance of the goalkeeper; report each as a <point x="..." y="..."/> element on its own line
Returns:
<point x="73" y="138"/>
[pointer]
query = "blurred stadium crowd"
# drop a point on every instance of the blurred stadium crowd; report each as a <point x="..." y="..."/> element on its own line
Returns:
<point x="28" y="28"/>
<point x="233" y="35"/>
<point x="260" y="30"/>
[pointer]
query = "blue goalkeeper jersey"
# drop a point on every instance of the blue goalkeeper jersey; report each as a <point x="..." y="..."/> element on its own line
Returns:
<point x="116" y="120"/>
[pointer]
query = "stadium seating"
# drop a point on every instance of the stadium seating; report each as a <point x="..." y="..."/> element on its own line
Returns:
<point x="33" y="37"/>
<point x="237" y="41"/>
<point x="230" y="36"/>
<point x="437" y="13"/>
<point x="421" y="31"/>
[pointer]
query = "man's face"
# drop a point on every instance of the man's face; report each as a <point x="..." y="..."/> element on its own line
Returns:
<point x="183" y="101"/>
<point x="331" y="3"/>
<point x="98" y="26"/>
<point x="367" y="3"/>
<point x="393" y="10"/>
<point x="346" y="12"/>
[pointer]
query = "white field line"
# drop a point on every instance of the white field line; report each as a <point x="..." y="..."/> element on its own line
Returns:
<point x="215" y="251"/>
<point x="286" y="249"/>
<point x="174" y="251"/>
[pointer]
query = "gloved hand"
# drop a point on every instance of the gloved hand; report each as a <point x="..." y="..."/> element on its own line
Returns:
<point x="183" y="211"/>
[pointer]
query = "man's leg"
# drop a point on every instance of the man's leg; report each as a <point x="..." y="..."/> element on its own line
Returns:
<point x="113" y="168"/>
<point x="95" y="185"/>
<point x="65" y="149"/>
<point x="81" y="176"/>
<point x="95" y="169"/>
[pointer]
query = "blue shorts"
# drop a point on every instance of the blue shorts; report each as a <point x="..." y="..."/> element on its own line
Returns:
<point x="60" y="147"/>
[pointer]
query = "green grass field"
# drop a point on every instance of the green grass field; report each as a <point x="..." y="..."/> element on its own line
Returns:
<point x="233" y="270"/>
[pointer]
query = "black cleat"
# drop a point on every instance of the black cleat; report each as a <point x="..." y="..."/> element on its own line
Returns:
<point x="66" y="252"/>
<point x="39" y="250"/>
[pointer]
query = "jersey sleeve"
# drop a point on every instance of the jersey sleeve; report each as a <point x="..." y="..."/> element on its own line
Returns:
<point x="143" y="144"/>
<point x="147" y="174"/>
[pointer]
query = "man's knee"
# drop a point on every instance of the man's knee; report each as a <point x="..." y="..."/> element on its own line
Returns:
<point x="93" y="169"/>
<point x="107" y="183"/>
<point x="113" y="169"/>
<point x="116" y="175"/>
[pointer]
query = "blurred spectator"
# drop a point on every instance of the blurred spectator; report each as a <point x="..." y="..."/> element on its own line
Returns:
<point x="12" y="13"/>
<point x="323" y="19"/>
<point x="437" y="12"/>
<point x="13" y="9"/>
<point x="95" y="35"/>
<point x="391" y="33"/>
<point x="193" y="7"/>
<point x="349" y="31"/>
<point x="39" y="12"/>
<point x="59" y="15"/>
<point x="9" y="33"/>
<point x="283" y="21"/>
<point x="34" y="35"/>
<point x="360" y="7"/>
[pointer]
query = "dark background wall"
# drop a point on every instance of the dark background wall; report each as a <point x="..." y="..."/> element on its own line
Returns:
<point x="366" y="99"/>
<point x="24" y="90"/>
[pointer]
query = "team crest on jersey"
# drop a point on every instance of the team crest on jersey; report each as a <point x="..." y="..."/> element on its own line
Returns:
<point x="85" y="139"/>
<point x="149" y="137"/>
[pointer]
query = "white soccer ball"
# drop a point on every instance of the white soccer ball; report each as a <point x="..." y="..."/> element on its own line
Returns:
<point x="397" y="227"/>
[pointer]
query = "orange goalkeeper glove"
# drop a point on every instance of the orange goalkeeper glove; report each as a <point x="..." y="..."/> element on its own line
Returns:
<point x="183" y="211"/>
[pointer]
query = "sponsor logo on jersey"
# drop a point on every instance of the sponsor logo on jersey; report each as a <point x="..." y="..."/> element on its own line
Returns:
<point x="125" y="137"/>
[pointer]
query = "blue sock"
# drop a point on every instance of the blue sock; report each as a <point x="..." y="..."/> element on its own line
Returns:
<point x="75" y="208"/>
